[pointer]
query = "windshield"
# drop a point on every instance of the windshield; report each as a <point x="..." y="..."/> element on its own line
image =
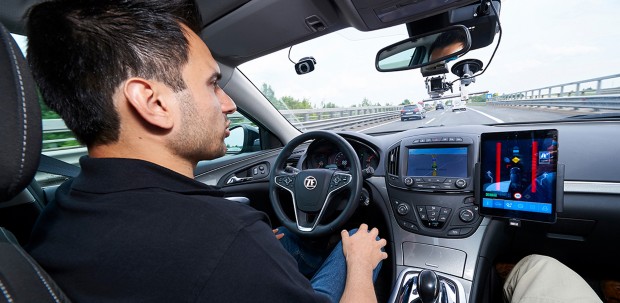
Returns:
<point x="553" y="58"/>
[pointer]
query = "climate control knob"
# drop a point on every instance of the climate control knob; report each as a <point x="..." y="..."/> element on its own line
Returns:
<point x="402" y="209"/>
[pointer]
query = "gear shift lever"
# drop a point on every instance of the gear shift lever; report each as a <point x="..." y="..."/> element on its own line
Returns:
<point x="428" y="286"/>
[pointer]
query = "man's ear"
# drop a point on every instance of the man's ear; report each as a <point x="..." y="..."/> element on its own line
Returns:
<point x="149" y="101"/>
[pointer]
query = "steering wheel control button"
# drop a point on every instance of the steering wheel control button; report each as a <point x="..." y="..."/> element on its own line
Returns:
<point x="285" y="181"/>
<point x="339" y="180"/>
<point x="466" y="215"/>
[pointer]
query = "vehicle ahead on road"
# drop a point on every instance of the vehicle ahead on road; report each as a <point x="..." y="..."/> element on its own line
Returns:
<point x="439" y="106"/>
<point x="419" y="185"/>
<point x="412" y="111"/>
<point x="458" y="105"/>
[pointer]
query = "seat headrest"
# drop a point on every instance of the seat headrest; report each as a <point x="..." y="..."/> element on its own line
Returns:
<point x="20" y="120"/>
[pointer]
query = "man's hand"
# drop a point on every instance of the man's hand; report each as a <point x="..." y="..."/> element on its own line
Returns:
<point x="363" y="249"/>
<point x="278" y="236"/>
<point x="362" y="252"/>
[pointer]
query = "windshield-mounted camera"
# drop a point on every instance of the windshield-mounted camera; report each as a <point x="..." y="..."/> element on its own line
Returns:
<point x="305" y="65"/>
<point x="436" y="86"/>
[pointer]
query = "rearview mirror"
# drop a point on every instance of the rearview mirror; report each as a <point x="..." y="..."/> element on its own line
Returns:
<point x="422" y="50"/>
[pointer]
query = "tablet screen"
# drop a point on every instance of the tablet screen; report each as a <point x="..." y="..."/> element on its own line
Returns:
<point x="518" y="174"/>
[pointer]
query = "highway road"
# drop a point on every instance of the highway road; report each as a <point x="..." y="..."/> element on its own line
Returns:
<point x="473" y="115"/>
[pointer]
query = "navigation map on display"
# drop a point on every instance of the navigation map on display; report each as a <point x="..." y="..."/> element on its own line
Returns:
<point x="446" y="162"/>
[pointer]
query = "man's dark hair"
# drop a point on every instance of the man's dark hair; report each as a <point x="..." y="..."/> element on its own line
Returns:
<point x="81" y="50"/>
<point x="448" y="38"/>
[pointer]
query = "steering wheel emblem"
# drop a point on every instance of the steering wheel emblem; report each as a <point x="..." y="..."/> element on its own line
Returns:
<point x="310" y="182"/>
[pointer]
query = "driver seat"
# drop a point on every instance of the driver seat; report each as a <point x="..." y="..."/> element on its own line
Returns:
<point x="21" y="278"/>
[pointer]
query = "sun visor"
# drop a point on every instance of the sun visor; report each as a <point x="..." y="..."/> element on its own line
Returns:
<point x="368" y="15"/>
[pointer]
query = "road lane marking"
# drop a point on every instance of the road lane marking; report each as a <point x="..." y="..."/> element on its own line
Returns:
<point x="361" y="130"/>
<point x="429" y="121"/>
<point x="487" y="115"/>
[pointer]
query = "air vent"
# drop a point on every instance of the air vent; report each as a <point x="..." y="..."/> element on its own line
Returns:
<point x="393" y="161"/>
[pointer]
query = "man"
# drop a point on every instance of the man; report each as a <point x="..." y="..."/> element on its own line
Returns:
<point x="447" y="44"/>
<point x="538" y="278"/>
<point x="137" y="85"/>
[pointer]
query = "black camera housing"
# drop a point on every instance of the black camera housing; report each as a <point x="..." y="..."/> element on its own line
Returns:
<point x="305" y="65"/>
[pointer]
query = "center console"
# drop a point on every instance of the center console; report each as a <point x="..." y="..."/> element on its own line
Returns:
<point x="430" y="184"/>
<point x="438" y="187"/>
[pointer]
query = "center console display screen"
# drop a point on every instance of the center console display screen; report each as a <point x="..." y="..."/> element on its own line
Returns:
<point x="518" y="173"/>
<point x="444" y="161"/>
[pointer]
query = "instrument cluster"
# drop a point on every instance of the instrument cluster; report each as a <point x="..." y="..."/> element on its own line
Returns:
<point x="324" y="154"/>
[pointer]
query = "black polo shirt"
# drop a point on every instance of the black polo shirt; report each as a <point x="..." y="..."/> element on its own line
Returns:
<point x="127" y="230"/>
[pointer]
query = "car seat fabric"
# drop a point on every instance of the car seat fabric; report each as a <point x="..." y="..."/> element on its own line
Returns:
<point x="21" y="278"/>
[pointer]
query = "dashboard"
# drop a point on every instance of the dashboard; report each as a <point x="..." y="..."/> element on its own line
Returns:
<point x="423" y="197"/>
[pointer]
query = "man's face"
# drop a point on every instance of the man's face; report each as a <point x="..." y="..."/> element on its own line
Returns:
<point x="446" y="51"/>
<point x="203" y="107"/>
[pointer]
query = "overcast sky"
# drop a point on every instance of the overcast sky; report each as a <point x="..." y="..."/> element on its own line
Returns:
<point x="544" y="43"/>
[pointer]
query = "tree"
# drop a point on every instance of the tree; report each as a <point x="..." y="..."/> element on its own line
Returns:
<point x="366" y="102"/>
<point x="406" y="102"/>
<point x="269" y="93"/>
<point x="292" y="103"/>
<point x="329" y="105"/>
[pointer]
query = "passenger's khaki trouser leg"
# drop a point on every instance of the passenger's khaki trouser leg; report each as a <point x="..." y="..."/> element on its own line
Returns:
<point x="542" y="279"/>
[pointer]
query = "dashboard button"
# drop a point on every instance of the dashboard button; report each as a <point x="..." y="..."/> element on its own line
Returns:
<point x="402" y="209"/>
<point x="465" y="230"/>
<point x="466" y="215"/>
<point x="432" y="213"/>
<point x="409" y="225"/>
<point x="444" y="211"/>
<point x="423" y="216"/>
<point x="432" y="208"/>
<point x="458" y="139"/>
<point x="460" y="183"/>
<point x="421" y="208"/>
<point x="454" y="232"/>
<point x="408" y="181"/>
<point x="442" y="218"/>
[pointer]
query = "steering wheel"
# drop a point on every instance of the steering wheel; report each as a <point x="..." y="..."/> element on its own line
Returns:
<point x="313" y="189"/>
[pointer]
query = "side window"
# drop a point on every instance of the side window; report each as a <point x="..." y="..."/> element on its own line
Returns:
<point x="58" y="141"/>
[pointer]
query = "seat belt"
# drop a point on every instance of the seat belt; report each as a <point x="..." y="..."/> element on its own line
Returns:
<point x="54" y="166"/>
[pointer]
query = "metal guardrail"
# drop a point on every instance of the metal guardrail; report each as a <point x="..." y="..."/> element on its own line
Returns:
<point x="609" y="102"/>
<point x="567" y="89"/>
<point x="344" y="123"/>
<point x="304" y="119"/>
